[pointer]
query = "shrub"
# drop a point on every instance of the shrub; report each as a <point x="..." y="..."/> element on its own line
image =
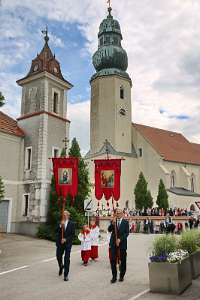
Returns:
<point x="163" y="245"/>
<point x="190" y="241"/>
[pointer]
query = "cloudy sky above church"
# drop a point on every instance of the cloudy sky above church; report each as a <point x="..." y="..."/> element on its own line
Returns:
<point x="162" y="40"/>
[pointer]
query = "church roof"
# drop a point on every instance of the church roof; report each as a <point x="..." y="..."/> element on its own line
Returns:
<point x="45" y="61"/>
<point x="172" y="146"/>
<point x="9" y="125"/>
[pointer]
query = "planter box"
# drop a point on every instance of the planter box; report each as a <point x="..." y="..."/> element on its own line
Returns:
<point x="195" y="264"/>
<point x="170" y="278"/>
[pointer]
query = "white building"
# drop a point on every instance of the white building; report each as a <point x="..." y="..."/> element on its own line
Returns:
<point x="159" y="154"/>
<point x="26" y="144"/>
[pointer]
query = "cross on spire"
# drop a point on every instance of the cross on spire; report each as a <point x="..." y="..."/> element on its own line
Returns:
<point x="45" y="33"/>
<point x="109" y="7"/>
<point x="107" y="150"/>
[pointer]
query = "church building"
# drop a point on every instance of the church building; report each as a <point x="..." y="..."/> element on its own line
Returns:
<point x="159" y="154"/>
<point x="26" y="144"/>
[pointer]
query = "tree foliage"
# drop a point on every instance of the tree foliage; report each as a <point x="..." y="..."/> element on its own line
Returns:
<point x="2" y="99"/>
<point x="162" y="198"/>
<point x="141" y="192"/>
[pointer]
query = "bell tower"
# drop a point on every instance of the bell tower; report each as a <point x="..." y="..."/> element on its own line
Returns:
<point x="44" y="121"/>
<point x="110" y="116"/>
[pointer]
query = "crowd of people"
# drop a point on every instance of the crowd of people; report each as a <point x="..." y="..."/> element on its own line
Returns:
<point x="172" y="212"/>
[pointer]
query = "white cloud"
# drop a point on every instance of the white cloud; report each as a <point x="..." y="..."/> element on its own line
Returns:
<point x="163" y="45"/>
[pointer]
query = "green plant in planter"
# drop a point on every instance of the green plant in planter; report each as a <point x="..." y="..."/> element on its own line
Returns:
<point x="164" y="244"/>
<point x="190" y="241"/>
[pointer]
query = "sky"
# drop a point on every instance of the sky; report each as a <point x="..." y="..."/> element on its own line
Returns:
<point x="161" y="38"/>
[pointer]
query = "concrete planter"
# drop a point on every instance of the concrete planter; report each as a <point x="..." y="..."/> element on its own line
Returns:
<point x="195" y="264"/>
<point x="170" y="278"/>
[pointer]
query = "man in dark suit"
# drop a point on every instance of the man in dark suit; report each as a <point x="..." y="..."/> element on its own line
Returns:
<point x="119" y="229"/>
<point x="64" y="243"/>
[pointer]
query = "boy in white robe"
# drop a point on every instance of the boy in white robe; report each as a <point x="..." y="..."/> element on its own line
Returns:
<point x="85" y="238"/>
<point x="94" y="233"/>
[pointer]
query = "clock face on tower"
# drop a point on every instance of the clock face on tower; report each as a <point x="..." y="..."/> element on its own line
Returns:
<point x="35" y="68"/>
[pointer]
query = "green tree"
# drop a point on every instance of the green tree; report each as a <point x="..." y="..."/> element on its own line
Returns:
<point x="84" y="185"/>
<point x="162" y="198"/>
<point x="1" y="189"/>
<point x="47" y="230"/>
<point x="149" y="200"/>
<point x="2" y="99"/>
<point x="141" y="192"/>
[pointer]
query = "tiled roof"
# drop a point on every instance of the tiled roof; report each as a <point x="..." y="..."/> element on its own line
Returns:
<point x="172" y="146"/>
<point x="9" y="125"/>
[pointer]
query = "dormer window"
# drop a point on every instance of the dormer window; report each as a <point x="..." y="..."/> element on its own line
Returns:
<point x="35" y="68"/>
<point x="121" y="92"/>
<point x="55" y="102"/>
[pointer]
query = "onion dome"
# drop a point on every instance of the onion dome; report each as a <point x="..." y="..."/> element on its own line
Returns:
<point x="110" y="58"/>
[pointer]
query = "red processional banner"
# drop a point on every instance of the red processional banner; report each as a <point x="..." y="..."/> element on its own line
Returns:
<point x="107" y="178"/>
<point x="65" y="171"/>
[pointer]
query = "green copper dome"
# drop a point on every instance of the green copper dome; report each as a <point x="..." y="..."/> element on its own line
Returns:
<point x="110" y="58"/>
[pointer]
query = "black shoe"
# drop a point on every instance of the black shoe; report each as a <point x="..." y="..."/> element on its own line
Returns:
<point x="66" y="278"/>
<point x="121" y="279"/>
<point x="113" y="280"/>
<point x="61" y="270"/>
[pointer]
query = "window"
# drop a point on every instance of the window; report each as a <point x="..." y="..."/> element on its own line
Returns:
<point x="172" y="184"/>
<point x="26" y="205"/>
<point x="121" y="92"/>
<point x="28" y="158"/>
<point x="122" y="112"/>
<point x="140" y="152"/>
<point x="192" y="183"/>
<point x="55" y="102"/>
<point x="55" y="152"/>
<point x="101" y="41"/>
<point x="107" y="40"/>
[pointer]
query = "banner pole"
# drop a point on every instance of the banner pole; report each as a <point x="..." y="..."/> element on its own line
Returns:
<point x="62" y="217"/>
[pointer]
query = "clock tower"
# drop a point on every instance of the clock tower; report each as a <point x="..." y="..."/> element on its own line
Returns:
<point x="110" y="116"/>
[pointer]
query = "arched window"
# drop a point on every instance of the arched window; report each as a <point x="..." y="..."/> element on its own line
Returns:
<point x="121" y="92"/>
<point x="172" y="183"/>
<point x="192" y="183"/>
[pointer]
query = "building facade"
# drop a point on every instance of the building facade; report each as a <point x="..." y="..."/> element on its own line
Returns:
<point x="41" y="128"/>
<point x="159" y="154"/>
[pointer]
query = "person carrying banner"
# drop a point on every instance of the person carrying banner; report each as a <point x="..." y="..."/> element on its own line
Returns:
<point x="94" y="233"/>
<point x="65" y="233"/>
<point x="119" y="229"/>
<point x="85" y="238"/>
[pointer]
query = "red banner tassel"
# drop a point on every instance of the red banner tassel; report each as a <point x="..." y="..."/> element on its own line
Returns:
<point x="98" y="204"/>
<point x="117" y="205"/>
<point x="107" y="203"/>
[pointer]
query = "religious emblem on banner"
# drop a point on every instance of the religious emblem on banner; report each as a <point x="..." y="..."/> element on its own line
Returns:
<point x="107" y="178"/>
<point x="66" y="176"/>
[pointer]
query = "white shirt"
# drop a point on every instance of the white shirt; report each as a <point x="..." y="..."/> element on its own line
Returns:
<point x="119" y="222"/>
<point x="66" y="223"/>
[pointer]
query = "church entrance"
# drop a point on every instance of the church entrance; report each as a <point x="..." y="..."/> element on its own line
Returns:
<point x="4" y="205"/>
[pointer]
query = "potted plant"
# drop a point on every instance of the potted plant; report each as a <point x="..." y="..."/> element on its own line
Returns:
<point x="169" y="267"/>
<point x="190" y="241"/>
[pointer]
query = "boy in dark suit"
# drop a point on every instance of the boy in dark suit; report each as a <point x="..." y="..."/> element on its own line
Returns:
<point x="64" y="244"/>
<point x="119" y="229"/>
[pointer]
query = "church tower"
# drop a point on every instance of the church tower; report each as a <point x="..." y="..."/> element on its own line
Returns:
<point x="43" y="119"/>
<point x="110" y="116"/>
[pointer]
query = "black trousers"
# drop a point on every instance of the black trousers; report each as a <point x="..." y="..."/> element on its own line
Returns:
<point x="66" y="250"/>
<point x="113" y="262"/>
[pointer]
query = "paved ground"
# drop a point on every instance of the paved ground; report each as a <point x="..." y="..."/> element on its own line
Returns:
<point x="28" y="270"/>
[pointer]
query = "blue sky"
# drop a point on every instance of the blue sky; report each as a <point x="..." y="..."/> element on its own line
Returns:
<point x="161" y="38"/>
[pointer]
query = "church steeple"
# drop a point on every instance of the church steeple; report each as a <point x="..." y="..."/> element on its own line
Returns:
<point x="45" y="61"/>
<point x="110" y="58"/>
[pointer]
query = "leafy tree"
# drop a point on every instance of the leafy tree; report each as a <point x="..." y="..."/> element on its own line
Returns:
<point x="84" y="185"/>
<point x="140" y="192"/>
<point x="149" y="200"/>
<point x="47" y="230"/>
<point x="162" y="198"/>
<point x="2" y="99"/>
<point x="1" y="189"/>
